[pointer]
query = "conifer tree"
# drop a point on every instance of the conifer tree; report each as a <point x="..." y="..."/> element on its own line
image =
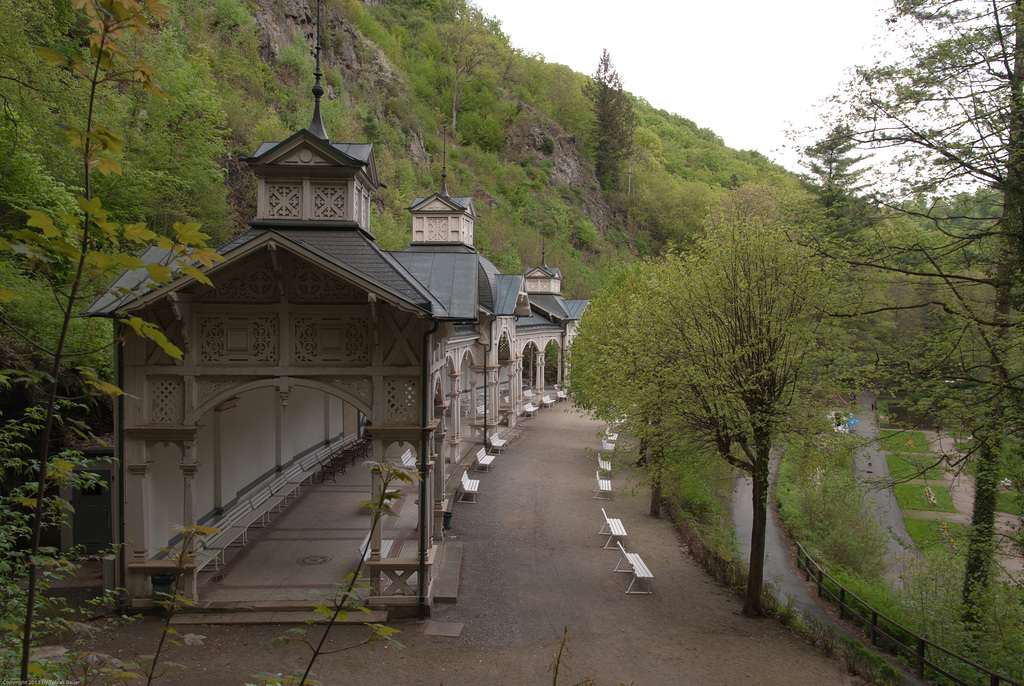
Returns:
<point x="613" y="123"/>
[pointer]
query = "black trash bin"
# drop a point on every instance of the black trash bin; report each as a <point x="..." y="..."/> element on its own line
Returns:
<point x="446" y="524"/>
<point x="163" y="585"/>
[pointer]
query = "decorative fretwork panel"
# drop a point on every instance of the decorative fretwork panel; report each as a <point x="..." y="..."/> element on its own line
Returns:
<point x="256" y="284"/>
<point x="401" y="401"/>
<point x="359" y="388"/>
<point x="329" y="202"/>
<point x="437" y="229"/>
<point x="504" y="352"/>
<point x="166" y="400"/>
<point x="211" y="387"/>
<point x="309" y="284"/>
<point x="284" y="201"/>
<point x="239" y="339"/>
<point x="331" y="339"/>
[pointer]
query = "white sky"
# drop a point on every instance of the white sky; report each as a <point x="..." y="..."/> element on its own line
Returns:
<point x="749" y="70"/>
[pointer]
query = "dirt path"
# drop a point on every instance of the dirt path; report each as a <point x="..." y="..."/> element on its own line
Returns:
<point x="532" y="566"/>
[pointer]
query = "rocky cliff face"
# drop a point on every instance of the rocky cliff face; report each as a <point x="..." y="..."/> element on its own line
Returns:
<point x="536" y="135"/>
<point x="343" y="47"/>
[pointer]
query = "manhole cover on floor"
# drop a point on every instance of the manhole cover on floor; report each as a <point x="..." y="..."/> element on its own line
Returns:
<point x="310" y="560"/>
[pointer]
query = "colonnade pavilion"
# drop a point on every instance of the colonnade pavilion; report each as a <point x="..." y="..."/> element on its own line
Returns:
<point x="312" y="335"/>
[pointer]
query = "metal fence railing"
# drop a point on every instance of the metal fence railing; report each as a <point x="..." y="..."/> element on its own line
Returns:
<point x="886" y="633"/>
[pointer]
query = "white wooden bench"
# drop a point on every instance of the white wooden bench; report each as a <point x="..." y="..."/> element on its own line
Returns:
<point x="604" y="487"/>
<point x="529" y="409"/>
<point x="561" y="395"/>
<point x="263" y="502"/>
<point x="483" y="460"/>
<point x="604" y="465"/>
<point x="548" y="402"/>
<point x="612" y="529"/>
<point x="408" y="459"/>
<point x="637" y="567"/>
<point x="469" y="488"/>
<point x="232" y="526"/>
<point x="609" y="436"/>
<point x="607" y="447"/>
<point x="498" y="444"/>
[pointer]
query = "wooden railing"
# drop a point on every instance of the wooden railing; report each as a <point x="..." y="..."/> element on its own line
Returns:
<point x="889" y="634"/>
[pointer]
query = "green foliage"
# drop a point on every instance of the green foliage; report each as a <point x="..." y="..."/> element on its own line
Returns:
<point x="18" y="505"/>
<point x="826" y="509"/>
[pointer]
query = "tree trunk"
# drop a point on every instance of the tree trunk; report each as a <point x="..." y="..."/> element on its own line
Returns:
<point x="655" y="461"/>
<point x="981" y="545"/>
<point x="755" y="575"/>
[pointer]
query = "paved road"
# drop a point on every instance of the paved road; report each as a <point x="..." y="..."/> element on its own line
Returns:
<point x="872" y="470"/>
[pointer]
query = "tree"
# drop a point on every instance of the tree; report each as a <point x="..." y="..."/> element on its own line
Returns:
<point x="613" y="123"/>
<point x="468" y="44"/>
<point x="82" y="253"/>
<point x="952" y="112"/>
<point x="614" y="371"/>
<point x="714" y="346"/>
<point x="837" y="182"/>
<point x="739" y="327"/>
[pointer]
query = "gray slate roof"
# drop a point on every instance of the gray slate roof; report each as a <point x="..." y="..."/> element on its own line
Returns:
<point x="357" y="253"/>
<point x="550" y="302"/>
<point x="449" y="272"/>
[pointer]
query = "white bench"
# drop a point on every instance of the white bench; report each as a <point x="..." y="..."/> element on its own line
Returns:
<point x="498" y="444"/>
<point x="529" y="409"/>
<point x="548" y="402"/>
<point x="612" y="529"/>
<point x="607" y="447"/>
<point x="408" y="460"/>
<point x="637" y="567"/>
<point x="263" y="502"/>
<point x="483" y="460"/>
<point x="561" y="395"/>
<point x="469" y="488"/>
<point x="609" y="436"/>
<point x="604" y="465"/>
<point x="232" y="528"/>
<point x="604" y="488"/>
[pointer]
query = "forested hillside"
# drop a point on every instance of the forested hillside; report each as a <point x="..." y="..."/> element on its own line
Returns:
<point x="239" y="72"/>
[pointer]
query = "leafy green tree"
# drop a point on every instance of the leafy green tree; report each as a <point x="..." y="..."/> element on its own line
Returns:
<point x="952" y="113"/>
<point x="468" y="45"/>
<point x="612" y="136"/>
<point x="82" y="252"/>
<point x="615" y="369"/>
<point x="716" y="346"/>
<point x="740" y="325"/>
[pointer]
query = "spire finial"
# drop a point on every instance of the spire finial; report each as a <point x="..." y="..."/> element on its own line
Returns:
<point x="444" y="162"/>
<point x="543" y="252"/>
<point x="316" y="127"/>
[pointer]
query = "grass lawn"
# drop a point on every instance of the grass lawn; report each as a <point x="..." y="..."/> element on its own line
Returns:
<point x="896" y="441"/>
<point x="910" y="466"/>
<point x="926" y="533"/>
<point x="1007" y="502"/>
<point x="913" y="497"/>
